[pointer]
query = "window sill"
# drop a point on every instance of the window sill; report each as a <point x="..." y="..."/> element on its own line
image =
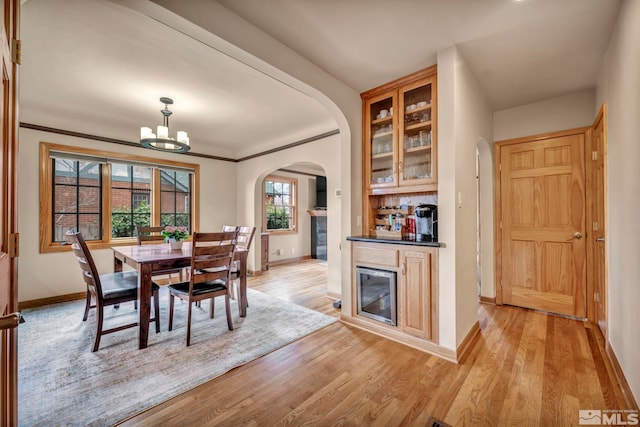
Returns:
<point x="279" y="232"/>
<point x="57" y="247"/>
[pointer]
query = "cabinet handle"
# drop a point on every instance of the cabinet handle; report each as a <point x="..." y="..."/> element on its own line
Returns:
<point x="404" y="268"/>
<point x="401" y="167"/>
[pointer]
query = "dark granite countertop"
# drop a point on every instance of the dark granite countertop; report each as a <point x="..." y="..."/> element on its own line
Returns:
<point x="372" y="239"/>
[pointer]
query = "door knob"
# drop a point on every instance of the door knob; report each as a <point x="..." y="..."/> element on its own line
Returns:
<point x="576" y="235"/>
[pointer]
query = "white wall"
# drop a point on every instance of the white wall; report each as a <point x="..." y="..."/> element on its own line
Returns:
<point x="446" y="198"/>
<point x="294" y="245"/>
<point x="564" y="112"/>
<point x="217" y="207"/>
<point x="473" y="120"/>
<point x="463" y="117"/>
<point x="326" y="154"/>
<point x="619" y="87"/>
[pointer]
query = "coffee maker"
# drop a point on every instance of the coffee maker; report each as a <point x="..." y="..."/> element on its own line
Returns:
<point x="426" y="223"/>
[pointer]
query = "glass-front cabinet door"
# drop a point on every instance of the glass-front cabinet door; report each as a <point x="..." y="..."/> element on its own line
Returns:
<point x="417" y="122"/>
<point x="381" y="130"/>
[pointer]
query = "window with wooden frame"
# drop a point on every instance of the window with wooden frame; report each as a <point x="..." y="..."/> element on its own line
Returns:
<point x="105" y="195"/>
<point x="279" y="214"/>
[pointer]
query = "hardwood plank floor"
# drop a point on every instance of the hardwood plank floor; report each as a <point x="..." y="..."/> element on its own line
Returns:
<point x="526" y="368"/>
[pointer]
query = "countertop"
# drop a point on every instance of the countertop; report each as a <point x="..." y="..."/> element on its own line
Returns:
<point x="372" y="239"/>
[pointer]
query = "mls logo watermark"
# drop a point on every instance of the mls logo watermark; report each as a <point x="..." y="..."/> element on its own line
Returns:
<point x="608" y="417"/>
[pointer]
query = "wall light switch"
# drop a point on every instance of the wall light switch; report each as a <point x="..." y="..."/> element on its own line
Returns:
<point x="338" y="193"/>
<point x="459" y="200"/>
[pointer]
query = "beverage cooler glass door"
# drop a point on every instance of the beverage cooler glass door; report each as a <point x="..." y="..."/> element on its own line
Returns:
<point x="382" y="143"/>
<point x="377" y="294"/>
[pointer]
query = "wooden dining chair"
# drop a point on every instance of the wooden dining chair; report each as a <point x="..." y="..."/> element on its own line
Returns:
<point x="245" y="238"/>
<point x="107" y="289"/>
<point x="211" y="261"/>
<point x="154" y="235"/>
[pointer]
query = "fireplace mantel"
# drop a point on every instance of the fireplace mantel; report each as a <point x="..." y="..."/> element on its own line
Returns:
<point x="317" y="212"/>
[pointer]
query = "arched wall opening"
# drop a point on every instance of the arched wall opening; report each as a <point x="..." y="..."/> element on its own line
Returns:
<point x="486" y="220"/>
<point x="323" y="154"/>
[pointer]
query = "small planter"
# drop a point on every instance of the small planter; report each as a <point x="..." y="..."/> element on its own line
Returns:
<point x="176" y="245"/>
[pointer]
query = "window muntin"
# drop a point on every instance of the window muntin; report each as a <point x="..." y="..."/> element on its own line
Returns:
<point x="279" y="204"/>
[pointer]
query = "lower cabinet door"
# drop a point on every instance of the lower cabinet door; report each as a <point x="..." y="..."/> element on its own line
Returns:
<point x="416" y="294"/>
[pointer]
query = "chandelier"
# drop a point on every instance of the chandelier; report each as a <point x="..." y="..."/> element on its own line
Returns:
<point x="161" y="140"/>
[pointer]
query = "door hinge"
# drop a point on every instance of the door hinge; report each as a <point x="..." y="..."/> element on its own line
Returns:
<point x="500" y="225"/>
<point x="595" y="226"/>
<point x="596" y="297"/>
<point x="500" y="167"/>
<point x="594" y="155"/>
<point x="14" y="245"/>
<point x="16" y="51"/>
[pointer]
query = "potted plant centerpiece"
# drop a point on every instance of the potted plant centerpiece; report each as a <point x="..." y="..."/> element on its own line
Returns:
<point x="175" y="235"/>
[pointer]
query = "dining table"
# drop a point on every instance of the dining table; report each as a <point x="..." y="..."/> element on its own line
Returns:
<point x="150" y="259"/>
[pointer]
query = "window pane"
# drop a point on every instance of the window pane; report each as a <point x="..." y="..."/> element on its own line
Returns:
<point x="61" y="224"/>
<point x="66" y="199"/>
<point x="89" y="199"/>
<point x="90" y="226"/>
<point x="89" y="173"/>
<point x="286" y="200"/>
<point x="285" y="188"/>
<point x="167" y="202"/>
<point x="120" y="172"/>
<point x="167" y="181"/>
<point x="277" y="187"/>
<point x="183" y="182"/>
<point x="277" y="200"/>
<point x="182" y="219"/>
<point x="121" y="200"/>
<point x="121" y="224"/>
<point x="269" y="187"/>
<point x="65" y="171"/>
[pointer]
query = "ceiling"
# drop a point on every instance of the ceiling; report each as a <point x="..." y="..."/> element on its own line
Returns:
<point x="97" y="67"/>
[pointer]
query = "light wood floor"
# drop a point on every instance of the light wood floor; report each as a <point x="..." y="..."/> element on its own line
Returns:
<point x="526" y="368"/>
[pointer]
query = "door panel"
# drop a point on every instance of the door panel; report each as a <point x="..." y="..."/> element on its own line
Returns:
<point x="542" y="209"/>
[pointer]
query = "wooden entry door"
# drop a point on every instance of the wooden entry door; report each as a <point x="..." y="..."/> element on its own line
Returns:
<point x="8" y="217"/>
<point x="542" y="211"/>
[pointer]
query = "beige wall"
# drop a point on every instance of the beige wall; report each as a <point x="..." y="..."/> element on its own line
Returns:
<point x="51" y="274"/>
<point x="619" y="87"/>
<point x="564" y="112"/>
<point x="473" y="121"/>
<point x="464" y="116"/>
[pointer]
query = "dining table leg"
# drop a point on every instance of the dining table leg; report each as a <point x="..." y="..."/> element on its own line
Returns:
<point x="243" y="283"/>
<point x="144" y="307"/>
<point x="117" y="265"/>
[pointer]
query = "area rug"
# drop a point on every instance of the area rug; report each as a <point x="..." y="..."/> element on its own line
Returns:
<point x="62" y="383"/>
